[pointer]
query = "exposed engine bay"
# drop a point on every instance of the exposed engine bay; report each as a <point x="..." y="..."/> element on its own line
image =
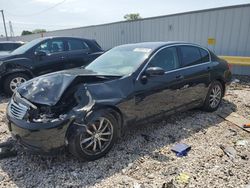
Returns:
<point x="52" y="98"/>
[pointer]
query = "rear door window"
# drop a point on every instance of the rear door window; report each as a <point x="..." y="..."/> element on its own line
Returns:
<point x="74" y="44"/>
<point x="204" y="56"/>
<point x="190" y="55"/>
<point x="167" y="59"/>
<point x="51" y="46"/>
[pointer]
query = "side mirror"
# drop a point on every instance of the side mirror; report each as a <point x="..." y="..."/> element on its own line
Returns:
<point x="40" y="53"/>
<point x="154" y="71"/>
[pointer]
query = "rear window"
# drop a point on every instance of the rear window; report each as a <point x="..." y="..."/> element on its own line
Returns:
<point x="75" y="44"/>
<point x="189" y="55"/>
<point x="204" y="56"/>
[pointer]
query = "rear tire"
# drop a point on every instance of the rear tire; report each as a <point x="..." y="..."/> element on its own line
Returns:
<point x="12" y="81"/>
<point x="93" y="141"/>
<point x="214" y="97"/>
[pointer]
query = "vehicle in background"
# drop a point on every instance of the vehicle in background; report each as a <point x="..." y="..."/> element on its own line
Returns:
<point x="9" y="46"/>
<point x="86" y="110"/>
<point x="45" y="55"/>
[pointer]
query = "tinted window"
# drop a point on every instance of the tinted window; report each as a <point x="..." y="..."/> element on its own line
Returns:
<point x="51" y="46"/>
<point x="8" y="46"/>
<point x="17" y="45"/>
<point x="189" y="55"/>
<point x="166" y="59"/>
<point x="204" y="56"/>
<point x="75" y="44"/>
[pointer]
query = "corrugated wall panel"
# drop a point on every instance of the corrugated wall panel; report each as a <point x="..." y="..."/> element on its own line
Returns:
<point x="212" y="27"/>
<point x="235" y="27"/>
<point x="248" y="36"/>
<point x="219" y="32"/>
<point x="226" y="36"/>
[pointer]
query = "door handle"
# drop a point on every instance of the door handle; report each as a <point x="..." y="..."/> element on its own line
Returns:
<point x="62" y="57"/>
<point x="179" y="77"/>
<point x="208" y="69"/>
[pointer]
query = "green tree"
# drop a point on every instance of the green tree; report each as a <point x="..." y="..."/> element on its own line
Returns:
<point x="132" y="16"/>
<point x="26" y="32"/>
<point x="39" y="31"/>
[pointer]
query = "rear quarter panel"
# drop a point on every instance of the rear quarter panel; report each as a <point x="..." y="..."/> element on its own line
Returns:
<point x="221" y="71"/>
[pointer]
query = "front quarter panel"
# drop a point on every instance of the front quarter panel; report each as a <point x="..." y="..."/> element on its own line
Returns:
<point x="18" y="65"/>
<point x="115" y="94"/>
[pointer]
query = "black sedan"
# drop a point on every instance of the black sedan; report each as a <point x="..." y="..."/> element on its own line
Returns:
<point x="86" y="109"/>
<point x="45" y="55"/>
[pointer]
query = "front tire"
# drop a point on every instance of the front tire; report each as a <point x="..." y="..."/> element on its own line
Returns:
<point x="13" y="81"/>
<point x="214" y="97"/>
<point x="94" y="140"/>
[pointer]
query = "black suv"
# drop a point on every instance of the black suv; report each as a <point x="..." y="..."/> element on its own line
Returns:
<point x="45" y="55"/>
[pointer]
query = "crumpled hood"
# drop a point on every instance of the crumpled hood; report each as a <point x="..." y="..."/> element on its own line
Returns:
<point x="48" y="89"/>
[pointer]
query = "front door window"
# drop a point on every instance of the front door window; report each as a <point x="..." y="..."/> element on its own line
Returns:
<point x="51" y="46"/>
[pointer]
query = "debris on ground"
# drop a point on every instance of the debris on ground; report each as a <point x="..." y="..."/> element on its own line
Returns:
<point x="247" y="125"/>
<point x="229" y="151"/>
<point x="235" y="81"/>
<point x="183" y="178"/>
<point x="236" y="119"/>
<point x="181" y="149"/>
<point x="242" y="143"/>
<point x="136" y="162"/>
<point x="234" y="132"/>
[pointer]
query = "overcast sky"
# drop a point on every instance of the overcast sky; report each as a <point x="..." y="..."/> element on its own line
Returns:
<point x="59" y="14"/>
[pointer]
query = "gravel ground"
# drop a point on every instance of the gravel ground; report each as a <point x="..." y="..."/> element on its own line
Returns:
<point x="143" y="157"/>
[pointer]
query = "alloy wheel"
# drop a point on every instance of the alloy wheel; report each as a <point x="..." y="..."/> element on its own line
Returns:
<point x="215" y="96"/>
<point x="97" y="137"/>
<point x="15" y="82"/>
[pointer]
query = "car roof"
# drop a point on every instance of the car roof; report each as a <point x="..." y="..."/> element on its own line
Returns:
<point x="65" y="37"/>
<point x="157" y="45"/>
<point x="11" y="42"/>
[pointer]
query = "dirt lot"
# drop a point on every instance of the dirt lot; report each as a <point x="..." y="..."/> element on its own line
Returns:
<point x="143" y="157"/>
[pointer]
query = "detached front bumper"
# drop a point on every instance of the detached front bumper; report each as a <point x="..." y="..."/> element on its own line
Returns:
<point x="42" y="138"/>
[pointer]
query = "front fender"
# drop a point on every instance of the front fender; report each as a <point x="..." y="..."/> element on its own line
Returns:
<point x="17" y="65"/>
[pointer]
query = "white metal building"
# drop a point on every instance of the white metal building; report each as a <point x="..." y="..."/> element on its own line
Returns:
<point x="226" y="30"/>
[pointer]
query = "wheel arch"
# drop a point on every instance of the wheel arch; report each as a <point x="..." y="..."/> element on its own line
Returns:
<point x="116" y="112"/>
<point x="223" y="83"/>
<point x="26" y="72"/>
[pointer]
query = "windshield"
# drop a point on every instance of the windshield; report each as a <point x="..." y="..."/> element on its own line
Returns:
<point x="26" y="46"/>
<point x="119" y="61"/>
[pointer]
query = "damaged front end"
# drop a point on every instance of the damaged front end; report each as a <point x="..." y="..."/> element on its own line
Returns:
<point x="41" y="111"/>
<point x="55" y="97"/>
